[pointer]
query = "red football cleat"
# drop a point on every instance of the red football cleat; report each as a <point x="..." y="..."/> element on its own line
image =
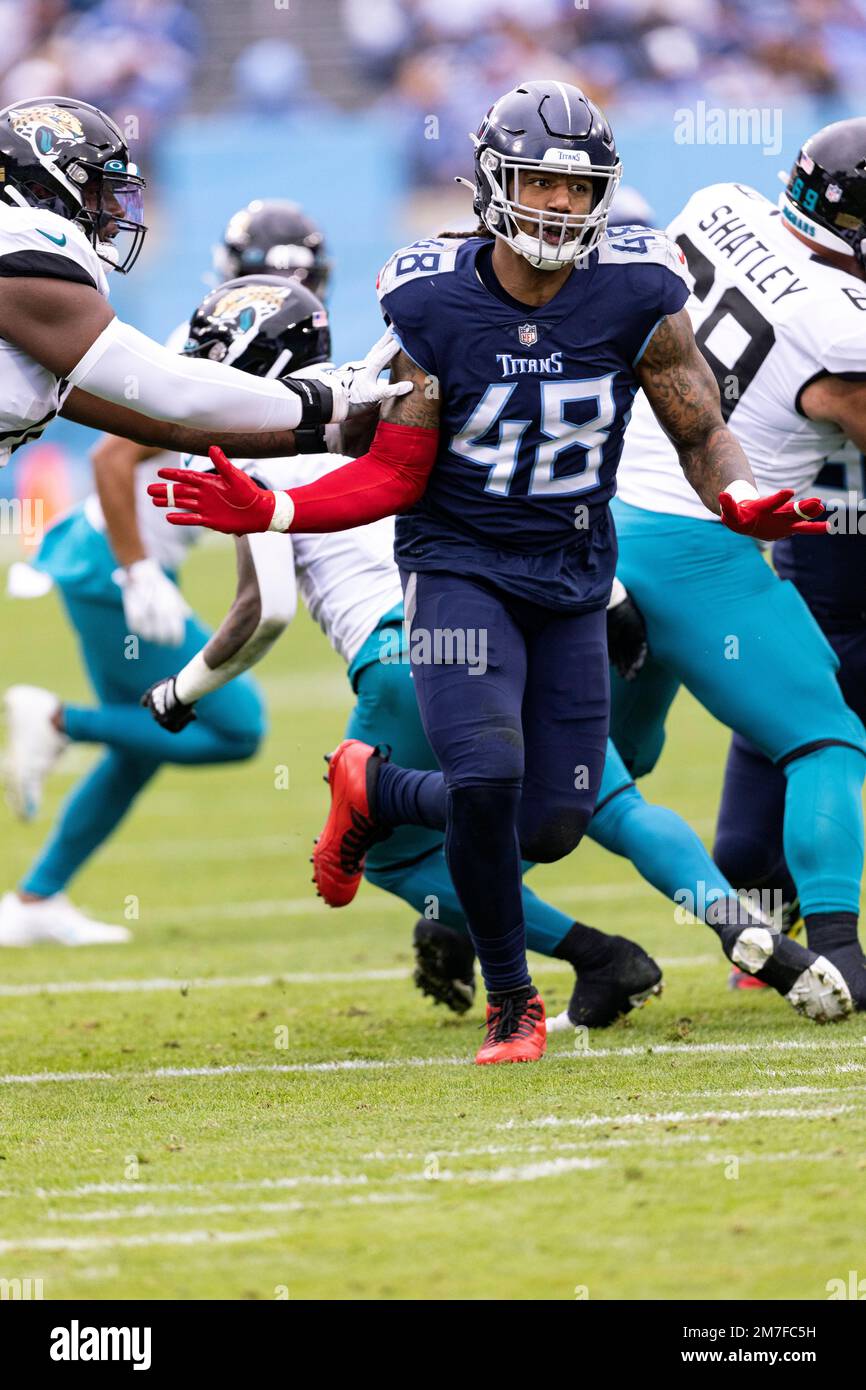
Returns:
<point x="516" y="1030"/>
<point x="738" y="979"/>
<point x="350" y="830"/>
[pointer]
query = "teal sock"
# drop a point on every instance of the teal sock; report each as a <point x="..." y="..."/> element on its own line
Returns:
<point x="426" y="885"/>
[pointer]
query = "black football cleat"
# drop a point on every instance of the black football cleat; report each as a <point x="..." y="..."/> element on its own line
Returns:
<point x="851" y="964"/>
<point x="444" y="965"/>
<point x="626" y="979"/>
<point x="813" y="985"/>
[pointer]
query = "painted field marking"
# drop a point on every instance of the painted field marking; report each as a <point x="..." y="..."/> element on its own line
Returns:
<point x="353" y="1064"/>
<point x="165" y="984"/>
<point x="674" y="1117"/>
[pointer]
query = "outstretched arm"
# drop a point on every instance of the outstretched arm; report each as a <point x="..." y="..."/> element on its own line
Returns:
<point x="388" y="479"/>
<point x="166" y="435"/>
<point x="264" y="605"/>
<point x="685" y="398"/>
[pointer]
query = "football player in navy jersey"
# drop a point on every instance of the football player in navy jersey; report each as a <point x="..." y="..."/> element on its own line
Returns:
<point x="526" y="344"/>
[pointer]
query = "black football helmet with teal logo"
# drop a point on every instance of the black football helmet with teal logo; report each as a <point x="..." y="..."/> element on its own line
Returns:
<point x="267" y="325"/>
<point x="825" y="195"/>
<point x="70" y="158"/>
<point x="272" y="236"/>
<point x="552" y="126"/>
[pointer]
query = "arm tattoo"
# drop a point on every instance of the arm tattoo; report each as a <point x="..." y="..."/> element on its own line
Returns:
<point x="419" y="407"/>
<point x="685" y="398"/>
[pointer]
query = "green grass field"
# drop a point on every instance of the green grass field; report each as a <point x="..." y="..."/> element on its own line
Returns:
<point x="251" y="1101"/>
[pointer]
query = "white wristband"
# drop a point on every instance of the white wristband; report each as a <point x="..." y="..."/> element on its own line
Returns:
<point x="617" y="594"/>
<point x="197" y="679"/>
<point x="741" y="491"/>
<point x="284" y="512"/>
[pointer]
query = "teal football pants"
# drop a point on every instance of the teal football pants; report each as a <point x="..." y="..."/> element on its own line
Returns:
<point x="411" y="863"/>
<point x="229" y="724"/>
<point x="721" y="623"/>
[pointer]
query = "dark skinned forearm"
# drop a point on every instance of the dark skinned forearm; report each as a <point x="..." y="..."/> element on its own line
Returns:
<point x="85" y="409"/>
<point x="242" y="619"/>
<point x="685" y="398"/>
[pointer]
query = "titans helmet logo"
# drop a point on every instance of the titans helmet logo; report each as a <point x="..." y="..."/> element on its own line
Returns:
<point x="46" y="127"/>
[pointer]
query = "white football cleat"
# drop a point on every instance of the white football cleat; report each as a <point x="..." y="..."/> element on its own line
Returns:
<point x="560" y="1023"/>
<point x="54" y="920"/>
<point x="33" y="746"/>
<point x="811" y="984"/>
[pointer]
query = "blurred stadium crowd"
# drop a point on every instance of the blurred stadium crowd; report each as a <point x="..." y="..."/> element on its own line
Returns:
<point x="122" y="55"/>
<point x="417" y="57"/>
<point x="453" y="57"/>
<point x="366" y="104"/>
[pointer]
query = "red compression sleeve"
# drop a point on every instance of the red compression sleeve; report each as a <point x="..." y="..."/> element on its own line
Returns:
<point x="388" y="479"/>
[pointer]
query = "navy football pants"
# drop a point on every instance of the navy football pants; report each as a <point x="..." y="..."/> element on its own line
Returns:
<point x="514" y="699"/>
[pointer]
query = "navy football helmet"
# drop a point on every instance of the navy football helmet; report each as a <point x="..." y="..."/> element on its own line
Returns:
<point x="267" y="325"/>
<point x="71" y="159"/>
<point x="554" y="126"/>
<point x="825" y="195"/>
<point x="272" y="236"/>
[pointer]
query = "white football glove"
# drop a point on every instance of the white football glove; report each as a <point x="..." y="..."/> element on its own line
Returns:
<point x="356" y="386"/>
<point x="154" y="608"/>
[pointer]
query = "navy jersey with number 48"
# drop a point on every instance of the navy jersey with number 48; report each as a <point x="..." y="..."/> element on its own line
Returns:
<point x="533" y="404"/>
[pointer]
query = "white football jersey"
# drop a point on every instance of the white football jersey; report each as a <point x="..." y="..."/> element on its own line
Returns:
<point x="36" y="243"/>
<point x="769" y="318"/>
<point x="347" y="579"/>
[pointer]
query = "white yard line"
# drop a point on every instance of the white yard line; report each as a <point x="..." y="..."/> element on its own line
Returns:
<point x="60" y="1243"/>
<point x="749" y="1094"/>
<point x="674" y="1117"/>
<point x="525" y="1172"/>
<point x="367" y="902"/>
<point x="341" y="1180"/>
<point x="149" y="1211"/>
<point x="74" y="1243"/>
<point x="164" y="984"/>
<point x="395" y="1063"/>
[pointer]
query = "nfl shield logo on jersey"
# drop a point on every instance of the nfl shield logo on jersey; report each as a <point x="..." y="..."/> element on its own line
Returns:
<point x="528" y="334"/>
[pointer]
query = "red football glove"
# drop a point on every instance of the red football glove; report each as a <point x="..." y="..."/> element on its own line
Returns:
<point x="771" y="518"/>
<point x="227" y="500"/>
